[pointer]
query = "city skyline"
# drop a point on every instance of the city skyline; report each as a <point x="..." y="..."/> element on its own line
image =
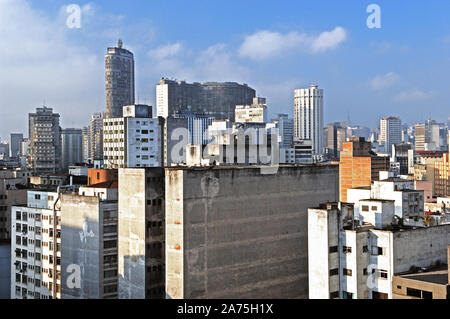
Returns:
<point x="355" y="65"/>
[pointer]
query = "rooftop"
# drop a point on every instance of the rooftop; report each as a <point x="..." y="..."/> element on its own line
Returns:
<point x="108" y="184"/>
<point x="436" y="275"/>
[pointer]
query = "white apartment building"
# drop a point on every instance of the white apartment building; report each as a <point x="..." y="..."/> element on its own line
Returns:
<point x="308" y="116"/>
<point x="133" y="140"/>
<point x="356" y="258"/>
<point x="408" y="202"/>
<point x="36" y="247"/>
<point x="257" y="112"/>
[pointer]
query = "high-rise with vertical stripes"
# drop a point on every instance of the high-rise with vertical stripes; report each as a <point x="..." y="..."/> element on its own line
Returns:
<point x="308" y="116"/>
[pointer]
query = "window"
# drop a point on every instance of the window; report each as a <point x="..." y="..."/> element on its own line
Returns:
<point x="334" y="272"/>
<point x="334" y="295"/>
<point x="347" y="295"/>
<point x="375" y="208"/>
<point x="110" y="259"/>
<point x="347" y="272"/>
<point x="383" y="274"/>
<point x="365" y="208"/>
<point x="365" y="249"/>
<point x="110" y="289"/>
<point x="413" y="292"/>
<point x="37" y="196"/>
<point x="110" y="273"/>
<point x="108" y="244"/>
<point x="378" y="251"/>
<point x="110" y="229"/>
<point x="347" y="249"/>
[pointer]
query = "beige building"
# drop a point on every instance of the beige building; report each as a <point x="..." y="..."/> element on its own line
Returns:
<point x="257" y="112"/>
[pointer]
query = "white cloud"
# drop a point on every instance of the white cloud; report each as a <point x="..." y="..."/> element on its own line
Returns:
<point x="329" y="40"/>
<point x="413" y="95"/>
<point x="215" y="63"/>
<point x="39" y="62"/>
<point x="267" y="44"/>
<point x="166" y="51"/>
<point x="383" y="81"/>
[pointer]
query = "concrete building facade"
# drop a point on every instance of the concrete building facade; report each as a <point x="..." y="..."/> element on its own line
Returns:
<point x="234" y="233"/>
<point x="141" y="263"/>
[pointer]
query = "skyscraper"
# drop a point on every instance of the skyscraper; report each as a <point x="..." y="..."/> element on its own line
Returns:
<point x="44" y="151"/>
<point x="390" y="132"/>
<point x="308" y="116"/>
<point x="119" y="80"/>
<point x="212" y="99"/>
<point x="71" y="147"/>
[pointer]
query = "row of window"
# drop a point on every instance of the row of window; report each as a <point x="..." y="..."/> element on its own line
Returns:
<point x="383" y="274"/>
<point x="376" y="251"/>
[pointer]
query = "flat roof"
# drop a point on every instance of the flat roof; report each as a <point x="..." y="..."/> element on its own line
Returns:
<point x="377" y="200"/>
<point x="246" y="166"/>
<point x="437" y="275"/>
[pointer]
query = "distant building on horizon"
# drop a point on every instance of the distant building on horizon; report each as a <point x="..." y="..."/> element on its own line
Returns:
<point x="44" y="152"/>
<point x="390" y="132"/>
<point x="71" y="147"/>
<point x="15" y="141"/>
<point x="212" y="99"/>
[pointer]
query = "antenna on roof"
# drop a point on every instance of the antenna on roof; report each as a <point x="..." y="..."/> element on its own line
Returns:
<point x="120" y="43"/>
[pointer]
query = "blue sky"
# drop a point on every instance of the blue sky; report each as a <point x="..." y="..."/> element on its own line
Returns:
<point x="401" y="69"/>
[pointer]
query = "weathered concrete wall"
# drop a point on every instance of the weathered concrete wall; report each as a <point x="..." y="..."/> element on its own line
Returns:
<point x="141" y="233"/>
<point x="322" y="234"/>
<point x="421" y="247"/>
<point x="242" y="234"/>
<point x="131" y="257"/>
<point x="82" y="242"/>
